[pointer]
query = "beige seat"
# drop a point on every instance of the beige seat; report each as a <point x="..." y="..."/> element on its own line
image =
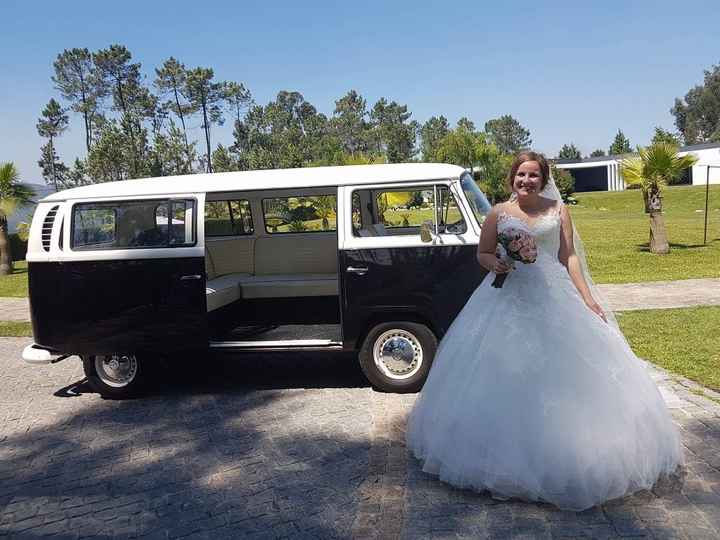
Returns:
<point x="223" y="290"/>
<point x="270" y="267"/>
<point x="288" y="285"/>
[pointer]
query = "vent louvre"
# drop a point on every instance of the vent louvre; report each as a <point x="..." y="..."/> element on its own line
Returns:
<point x="47" y="227"/>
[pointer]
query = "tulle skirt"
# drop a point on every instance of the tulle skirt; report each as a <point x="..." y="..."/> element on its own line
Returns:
<point x="532" y="395"/>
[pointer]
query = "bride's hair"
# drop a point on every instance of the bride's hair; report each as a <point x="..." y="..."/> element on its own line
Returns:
<point x="528" y="155"/>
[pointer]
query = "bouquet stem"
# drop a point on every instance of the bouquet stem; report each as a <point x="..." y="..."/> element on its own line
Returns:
<point x="499" y="280"/>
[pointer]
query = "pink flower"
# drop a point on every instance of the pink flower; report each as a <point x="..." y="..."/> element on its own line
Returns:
<point x="528" y="254"/>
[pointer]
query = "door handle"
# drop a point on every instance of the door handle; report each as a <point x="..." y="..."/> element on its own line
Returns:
<point x="190" y="277"/>
<point x="361" y="271"/>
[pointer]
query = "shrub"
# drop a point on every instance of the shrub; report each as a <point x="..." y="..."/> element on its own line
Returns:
<point x="565" y="183"/>
<point x="18" y="247"/>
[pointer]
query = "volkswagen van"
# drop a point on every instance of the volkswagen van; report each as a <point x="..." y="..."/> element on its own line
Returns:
<point x="373" y="259"/>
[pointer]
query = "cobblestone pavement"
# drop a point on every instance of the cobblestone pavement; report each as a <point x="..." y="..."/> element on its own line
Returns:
<point x="276" y="447"/>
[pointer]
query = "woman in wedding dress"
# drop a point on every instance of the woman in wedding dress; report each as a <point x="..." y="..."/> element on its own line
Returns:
<point x="532" y="394"/>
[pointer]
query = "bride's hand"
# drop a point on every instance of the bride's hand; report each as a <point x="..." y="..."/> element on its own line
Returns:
<point x="501" y="267"/>
<point x="594" y="307"/>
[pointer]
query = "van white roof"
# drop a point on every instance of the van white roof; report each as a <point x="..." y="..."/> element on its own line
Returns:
<point x="263" y="179"/>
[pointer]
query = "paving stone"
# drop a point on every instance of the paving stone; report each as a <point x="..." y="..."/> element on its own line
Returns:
<point x="240" y="455"/>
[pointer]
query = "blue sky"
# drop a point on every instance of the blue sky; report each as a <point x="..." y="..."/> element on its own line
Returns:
<point x="568" y="71"/>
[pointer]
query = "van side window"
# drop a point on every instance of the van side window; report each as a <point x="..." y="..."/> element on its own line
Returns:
<point x="391" y="211"/>
<point x="398" y="212"/>
<point x="228" y="218"/>
<point x="450" y="219"/>
<point x="93" y="227"/>
<point x="300" y="214"/>
<point x="133" y="224"/>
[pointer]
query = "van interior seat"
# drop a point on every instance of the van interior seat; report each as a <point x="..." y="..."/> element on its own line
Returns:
<point x="288" y="285"/>
<point x="279" y="266"/>
<point x="223" y="290"/>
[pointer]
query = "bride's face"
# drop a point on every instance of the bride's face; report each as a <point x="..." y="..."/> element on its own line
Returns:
<point x="528" y="179"/>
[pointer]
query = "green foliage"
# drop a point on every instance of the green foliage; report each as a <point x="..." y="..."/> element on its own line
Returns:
<point x="569" y="152"/>
<point x="473" y="151"/>
<point x="655" y="167"/>
<point x="131" y="100"/>
<point x="223" y="161"/>
<point x="77" y="80"/>
<point x="663" y="136"/>
<point x="391" y="132"/>
<point x="564" y="182"/>
<point x="297" y="226"/>
<point x="466" y="124"/>
<point x="697" y="116"/>
<point x="12" y="195"/>
<point x="620" y="145"/>
<point x="51" y="125"/>
<point x="171" y="81"/>
<point x="597" y="153"/>
<point x="350" y="123"/>
<point x="431" y="133"/>
<point x="207" y="97"/>
<point x="12" y="192"/>
<point x="508" y="134"/>
<point x="53" y="170"/>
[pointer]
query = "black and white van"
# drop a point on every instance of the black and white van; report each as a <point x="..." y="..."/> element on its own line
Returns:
<point x="376" y="259"/>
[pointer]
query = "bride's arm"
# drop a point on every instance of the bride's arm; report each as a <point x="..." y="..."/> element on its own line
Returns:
<point x="488" y="244"/>
<point x="570" y="260"/>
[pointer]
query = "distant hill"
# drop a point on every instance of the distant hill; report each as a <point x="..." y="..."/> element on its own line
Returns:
<point x="26" y="212"/>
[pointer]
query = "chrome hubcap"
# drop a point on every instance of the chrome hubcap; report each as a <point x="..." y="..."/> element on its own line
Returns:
<point x="398" y="354"/>
<point x="117" y="370"/>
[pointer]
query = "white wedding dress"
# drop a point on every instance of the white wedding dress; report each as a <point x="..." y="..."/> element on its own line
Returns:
<point x="532" y="395"/>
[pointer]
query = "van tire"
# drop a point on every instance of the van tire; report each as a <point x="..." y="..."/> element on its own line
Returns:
<point x="118" y="376"/>
<point x="416" y="342"/>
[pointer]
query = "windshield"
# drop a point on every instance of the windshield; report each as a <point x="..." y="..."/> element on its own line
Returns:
<point x="478" y="202"/>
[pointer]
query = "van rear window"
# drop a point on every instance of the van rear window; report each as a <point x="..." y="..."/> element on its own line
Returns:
<point x="133" y="224"/>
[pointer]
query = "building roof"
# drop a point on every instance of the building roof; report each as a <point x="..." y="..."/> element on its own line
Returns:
<point x="618" y="157"/>
<point x="263" y="179"/>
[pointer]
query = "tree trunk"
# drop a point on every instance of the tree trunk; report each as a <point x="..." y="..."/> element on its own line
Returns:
<point x="206" y="125"/>
<point x="6" y="266"/>
<point x="658" y="236"/>
<point x="182" y="121"/>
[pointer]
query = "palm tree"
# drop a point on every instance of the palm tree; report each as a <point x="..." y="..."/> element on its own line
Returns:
<point x="12" y="195"/>
<point x="655" y="167"/>
<point x="325" y="208"/>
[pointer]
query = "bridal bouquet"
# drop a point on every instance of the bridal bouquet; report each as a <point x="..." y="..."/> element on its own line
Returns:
<point x="519" y="245"/>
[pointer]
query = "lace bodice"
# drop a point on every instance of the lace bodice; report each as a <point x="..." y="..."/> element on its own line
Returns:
<point x="545" y="230"/>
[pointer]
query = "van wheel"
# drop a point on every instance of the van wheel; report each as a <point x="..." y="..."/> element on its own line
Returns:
<point x="115" y="376"/>
<point x="396" y="356"/>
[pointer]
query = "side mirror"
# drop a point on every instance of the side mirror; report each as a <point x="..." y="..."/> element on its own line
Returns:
<point x="426" y="231"/>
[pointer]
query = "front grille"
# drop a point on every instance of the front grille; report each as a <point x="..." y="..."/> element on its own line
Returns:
<point x="47" y="227"/>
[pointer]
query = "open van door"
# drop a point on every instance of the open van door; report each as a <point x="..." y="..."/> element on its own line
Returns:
<point x="118" y="276"/>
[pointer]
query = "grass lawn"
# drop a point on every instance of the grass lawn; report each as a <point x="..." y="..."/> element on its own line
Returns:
<point x="15" y="329"/>
<point x="684" y="341"/>
<point x="615" y="231"/>
<point x="15" y="285"/>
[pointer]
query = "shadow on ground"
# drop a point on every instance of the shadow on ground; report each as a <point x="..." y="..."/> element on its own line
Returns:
<point x="225" y="447"/>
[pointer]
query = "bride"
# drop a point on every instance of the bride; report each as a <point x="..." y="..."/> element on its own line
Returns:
<point x="532" y="393"/>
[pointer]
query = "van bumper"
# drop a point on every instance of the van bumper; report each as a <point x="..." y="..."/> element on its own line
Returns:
<point x="34" y="354"/>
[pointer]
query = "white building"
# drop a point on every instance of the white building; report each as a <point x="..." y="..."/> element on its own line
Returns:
<point x="603" y="173"/>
